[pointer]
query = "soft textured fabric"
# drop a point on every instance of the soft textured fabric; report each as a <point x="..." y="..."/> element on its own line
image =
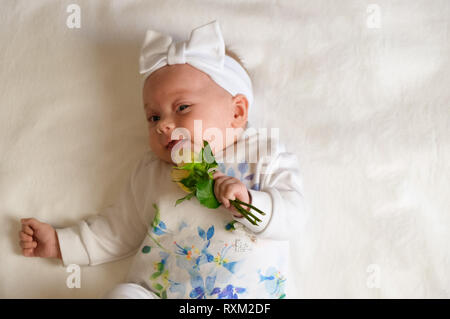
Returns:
<point x="188" y="250"/>
<point x="205" y="50"/>
<point x="364" y="109"/>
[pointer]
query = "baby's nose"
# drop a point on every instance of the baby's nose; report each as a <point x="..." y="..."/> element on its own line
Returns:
<point x="165" y="127"/>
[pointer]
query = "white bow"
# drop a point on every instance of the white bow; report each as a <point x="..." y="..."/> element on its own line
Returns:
<point x="205" y="50"/>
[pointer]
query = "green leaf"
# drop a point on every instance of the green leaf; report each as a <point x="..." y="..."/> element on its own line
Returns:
<point x="180" y="200"/>
<point x="155" y="275"/>
<point x="188" y="196"/>
<point x="156" y="219"/>
<point x="158" y="286"/>
<point x="190" y="181"/>
<point x="146" y="249"/>
<point x="208" y="157"/>
<point x="186" y="167"/>
<point x="205" y="194"/>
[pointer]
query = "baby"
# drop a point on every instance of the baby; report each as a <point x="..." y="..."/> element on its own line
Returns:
<point x="188" y="250"/>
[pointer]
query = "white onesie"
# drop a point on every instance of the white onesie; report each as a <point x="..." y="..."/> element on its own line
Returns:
<point x="188" y="250"/>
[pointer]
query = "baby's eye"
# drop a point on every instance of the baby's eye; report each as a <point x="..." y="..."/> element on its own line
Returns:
<point x="153" y="118"/>
<point x="183" y="107"/>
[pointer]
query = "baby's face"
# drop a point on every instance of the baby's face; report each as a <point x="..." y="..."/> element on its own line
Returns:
<point x="176" y="95"/>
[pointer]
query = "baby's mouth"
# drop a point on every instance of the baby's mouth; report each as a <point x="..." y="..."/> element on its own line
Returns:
<point x="172" y="144"/>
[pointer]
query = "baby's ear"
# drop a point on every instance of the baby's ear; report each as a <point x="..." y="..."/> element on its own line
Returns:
<point x="240" y="109"/>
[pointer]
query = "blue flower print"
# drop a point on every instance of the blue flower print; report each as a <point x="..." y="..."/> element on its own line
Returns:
<point x="182" y="225"/>
<point x="205" y="256"/>
<point x="249" y="177"/>
<point x="183" y="251"/>
<point x="209" y="234"/>
<point x="160" y="229"/>
<point x="195" y="254"/>
<point x="230" y="292"/>
<point x="240" y="173"/>
<point x="273" y="282"/>
<point x="221" y="260"/>
<point x="221" y="167"/>
<point x="230" y="225"/>
<point x="243" y="167"/>
<point x="158" y="226"/>
<point x="177" y="288"/>
<point x="202" y="289"/>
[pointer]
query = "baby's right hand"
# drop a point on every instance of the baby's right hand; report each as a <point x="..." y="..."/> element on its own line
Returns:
<point x="38" y="239"/>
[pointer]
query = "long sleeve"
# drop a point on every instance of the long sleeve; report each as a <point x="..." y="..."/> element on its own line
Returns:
<point x="114" y="233"/>
<point x="280" y="196"/>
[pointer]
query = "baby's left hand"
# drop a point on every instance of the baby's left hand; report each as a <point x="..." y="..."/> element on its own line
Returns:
<point x="226" y="188"/>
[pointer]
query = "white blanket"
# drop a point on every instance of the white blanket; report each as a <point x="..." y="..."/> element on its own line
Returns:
<point x="360" y="94"/>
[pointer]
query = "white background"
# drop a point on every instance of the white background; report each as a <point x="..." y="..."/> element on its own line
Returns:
<point x="365" y="109"/>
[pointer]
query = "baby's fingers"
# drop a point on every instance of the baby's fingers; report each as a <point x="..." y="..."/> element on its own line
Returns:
<point x="225" y="202"/>
<point x="28" y="252"/>
<point x="217" y="187"/>
<point x="218" y="174"/>
<point x="33" y="223"/>
<point x="27" y="229"/>
<point x="25" y="237"/>
<point x="221" y="191"/>
<point x="28" y="244"/>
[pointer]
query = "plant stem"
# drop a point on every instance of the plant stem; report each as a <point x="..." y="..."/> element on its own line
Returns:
<point x="245" y="213"/>
<point x="248" y="213"/>
<point x="251" y="206"/>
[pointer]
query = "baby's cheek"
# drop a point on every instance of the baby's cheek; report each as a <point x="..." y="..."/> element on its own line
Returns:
<point x="154" y="145"/>
<point x="210" y="128"/>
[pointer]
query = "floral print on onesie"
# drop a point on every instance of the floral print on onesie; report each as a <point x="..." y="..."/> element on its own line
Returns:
<point x="191" y="251"/>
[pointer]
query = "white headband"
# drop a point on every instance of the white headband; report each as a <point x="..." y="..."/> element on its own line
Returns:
<point x="205" y="51"/>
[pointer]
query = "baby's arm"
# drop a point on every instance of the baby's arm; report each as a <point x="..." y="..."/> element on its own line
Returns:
<point x="113" y="234"/>
<point x="280" y="197"/>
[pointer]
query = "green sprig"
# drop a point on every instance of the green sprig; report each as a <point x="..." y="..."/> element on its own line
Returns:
<point x="200" y="182"/>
